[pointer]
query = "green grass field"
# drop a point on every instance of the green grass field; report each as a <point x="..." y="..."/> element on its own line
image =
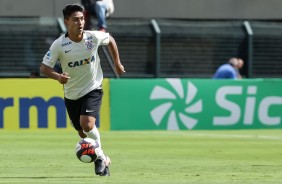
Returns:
<point x="246" y="156"/>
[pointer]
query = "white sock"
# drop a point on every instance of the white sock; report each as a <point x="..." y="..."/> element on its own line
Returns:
<point x="94" y="134"/>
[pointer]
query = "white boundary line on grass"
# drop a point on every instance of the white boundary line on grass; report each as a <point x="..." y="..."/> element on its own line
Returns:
<point x="237" y="136"/>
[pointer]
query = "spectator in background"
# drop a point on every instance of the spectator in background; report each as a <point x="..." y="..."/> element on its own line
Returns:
<point x="101" y="9"/>
<point x="228" y="70"/>
<point x="240" y="66"/>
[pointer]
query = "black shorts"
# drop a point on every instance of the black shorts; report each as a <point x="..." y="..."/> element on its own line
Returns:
<point x="89" y="105"/>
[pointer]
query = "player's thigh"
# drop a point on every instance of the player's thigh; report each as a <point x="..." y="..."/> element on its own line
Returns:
<point x="73" y="108"/>
<point x="91" y="103"/>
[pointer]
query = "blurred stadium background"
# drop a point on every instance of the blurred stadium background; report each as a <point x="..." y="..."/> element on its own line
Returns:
<point x="195" y="36"/>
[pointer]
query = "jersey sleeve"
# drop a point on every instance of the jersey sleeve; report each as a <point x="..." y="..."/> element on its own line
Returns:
<point x="103" y="37"/>
<point x="106" y="40"/>
<point x="52" y="55"/>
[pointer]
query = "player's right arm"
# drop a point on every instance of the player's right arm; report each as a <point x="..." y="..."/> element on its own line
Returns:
<point x="48" y="63"/>
<point x="51" y="73"/>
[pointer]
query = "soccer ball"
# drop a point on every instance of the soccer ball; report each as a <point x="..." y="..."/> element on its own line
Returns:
<point x="86" y="150"/>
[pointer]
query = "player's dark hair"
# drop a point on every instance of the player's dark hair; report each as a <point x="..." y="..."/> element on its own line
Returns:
<point x="70" y="8"/>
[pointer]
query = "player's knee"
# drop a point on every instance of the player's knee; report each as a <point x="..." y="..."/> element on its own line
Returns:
<point x="81" y="134"/>
<point x="87" y="123"/>
<point x="87" y="126"/>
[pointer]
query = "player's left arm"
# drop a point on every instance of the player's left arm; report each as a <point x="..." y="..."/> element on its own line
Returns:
<point x="115" y="55"/>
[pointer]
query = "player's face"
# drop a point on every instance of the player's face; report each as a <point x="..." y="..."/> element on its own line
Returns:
<point x="75" y="23"/>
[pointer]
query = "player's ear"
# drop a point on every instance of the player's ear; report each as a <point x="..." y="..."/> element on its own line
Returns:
<point x="66" y="21"/>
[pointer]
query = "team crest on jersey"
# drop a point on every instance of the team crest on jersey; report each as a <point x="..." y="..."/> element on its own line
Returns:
<point x="89" y="45"/>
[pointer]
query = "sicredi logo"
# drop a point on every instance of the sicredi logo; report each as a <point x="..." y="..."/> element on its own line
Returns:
<point x="180" y="106"/>
<point x="247" y="112"/>
<point x="170" y="100"/>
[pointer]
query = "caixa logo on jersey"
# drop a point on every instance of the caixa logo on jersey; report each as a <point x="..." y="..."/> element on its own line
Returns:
<point x="81" y="62"/>
<point x="246" y="105"/>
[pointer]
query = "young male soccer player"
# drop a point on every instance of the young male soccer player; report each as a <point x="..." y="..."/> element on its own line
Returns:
<point x="77" y="52"/>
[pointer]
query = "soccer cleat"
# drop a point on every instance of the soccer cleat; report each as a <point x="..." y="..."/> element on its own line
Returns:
<point x="100" y="165"/>
<point x="106" y="172"/>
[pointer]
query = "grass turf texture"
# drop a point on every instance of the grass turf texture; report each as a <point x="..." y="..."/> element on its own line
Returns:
<point x="249" y="156"/>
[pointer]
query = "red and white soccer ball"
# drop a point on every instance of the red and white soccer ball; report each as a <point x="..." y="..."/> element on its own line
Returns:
<point x="86" y="150"/>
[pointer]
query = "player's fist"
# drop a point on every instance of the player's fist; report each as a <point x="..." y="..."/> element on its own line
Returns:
<point x="63" y="79"/>
<point x="120" y="69"/>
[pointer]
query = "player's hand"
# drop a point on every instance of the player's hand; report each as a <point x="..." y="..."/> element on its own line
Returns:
<point x="120" y="69"/>
<point x="63" y="79"/>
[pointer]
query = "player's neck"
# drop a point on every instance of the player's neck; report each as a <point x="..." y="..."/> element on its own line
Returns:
<point x="75" y="38"/>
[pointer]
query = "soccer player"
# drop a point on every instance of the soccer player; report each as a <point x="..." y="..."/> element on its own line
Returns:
<point x="77" y="52"/>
